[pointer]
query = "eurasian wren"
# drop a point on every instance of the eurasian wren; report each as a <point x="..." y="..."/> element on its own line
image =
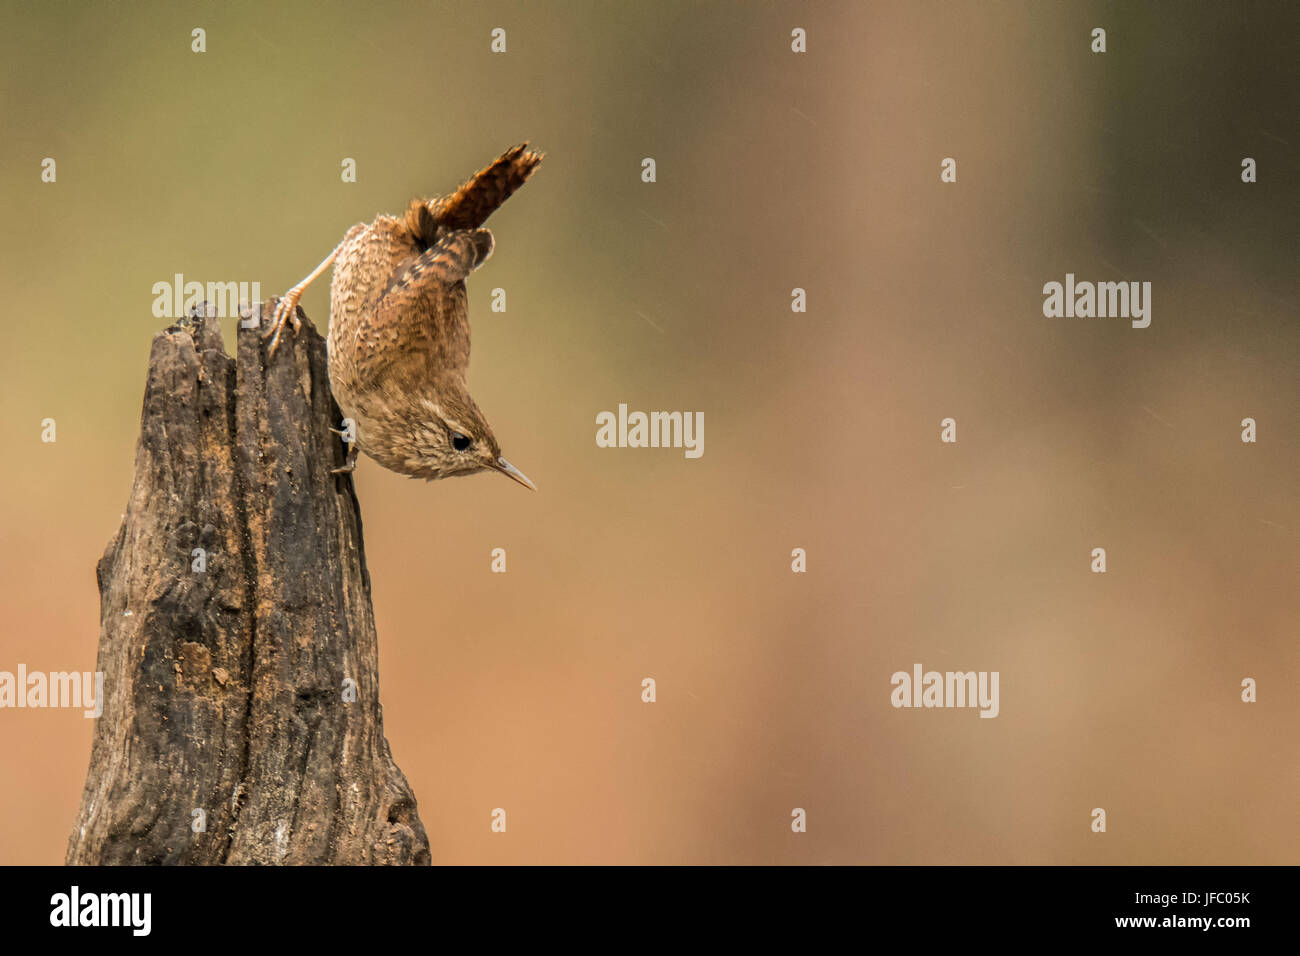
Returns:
<point x="399" y="328"/>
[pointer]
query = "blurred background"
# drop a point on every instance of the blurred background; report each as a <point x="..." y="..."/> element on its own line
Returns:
<point x="775" y="170"/>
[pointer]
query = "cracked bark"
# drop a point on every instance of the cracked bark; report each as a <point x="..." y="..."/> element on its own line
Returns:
<point x="226" y="689"/>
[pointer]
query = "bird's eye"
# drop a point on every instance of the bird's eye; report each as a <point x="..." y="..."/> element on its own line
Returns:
<point x="460" y="442"/>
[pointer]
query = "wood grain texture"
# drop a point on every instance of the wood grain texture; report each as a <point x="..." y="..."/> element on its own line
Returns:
<point x="224" y="688"/>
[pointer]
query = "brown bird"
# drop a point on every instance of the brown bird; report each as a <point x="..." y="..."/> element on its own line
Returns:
<point x="399" y="329"/>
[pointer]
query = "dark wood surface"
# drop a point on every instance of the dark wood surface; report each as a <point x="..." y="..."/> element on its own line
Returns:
<point x="225" y="689"/>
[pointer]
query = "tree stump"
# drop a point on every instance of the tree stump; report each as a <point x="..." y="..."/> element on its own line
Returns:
<point x="241" y="717"/>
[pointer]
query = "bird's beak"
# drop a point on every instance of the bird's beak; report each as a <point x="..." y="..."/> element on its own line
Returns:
<point x="511" y="471"/>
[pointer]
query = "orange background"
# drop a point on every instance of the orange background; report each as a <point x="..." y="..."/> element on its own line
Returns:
<point x="775" y="171"/>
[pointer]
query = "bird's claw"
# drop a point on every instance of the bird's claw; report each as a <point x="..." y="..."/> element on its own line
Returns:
<point x="286" y="310"/>
<point x="350" y="465"/>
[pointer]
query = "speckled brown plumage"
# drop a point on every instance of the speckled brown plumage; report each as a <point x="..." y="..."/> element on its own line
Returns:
<point x="399" y="328"/>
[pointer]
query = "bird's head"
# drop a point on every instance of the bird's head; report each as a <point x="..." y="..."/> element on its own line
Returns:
<point x="453" y="438"/>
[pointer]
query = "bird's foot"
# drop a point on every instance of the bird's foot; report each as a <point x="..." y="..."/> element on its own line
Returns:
<point x="286" y="310"/>
<point x="351" y="464"/>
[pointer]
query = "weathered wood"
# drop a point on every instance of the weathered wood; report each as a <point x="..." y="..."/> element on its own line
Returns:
<point x="225" y="688"/>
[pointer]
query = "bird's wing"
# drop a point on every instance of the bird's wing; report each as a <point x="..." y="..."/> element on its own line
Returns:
<point x="424" y="307"/>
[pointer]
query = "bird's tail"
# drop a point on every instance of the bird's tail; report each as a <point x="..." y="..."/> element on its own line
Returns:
<point x="470" y="205"/>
